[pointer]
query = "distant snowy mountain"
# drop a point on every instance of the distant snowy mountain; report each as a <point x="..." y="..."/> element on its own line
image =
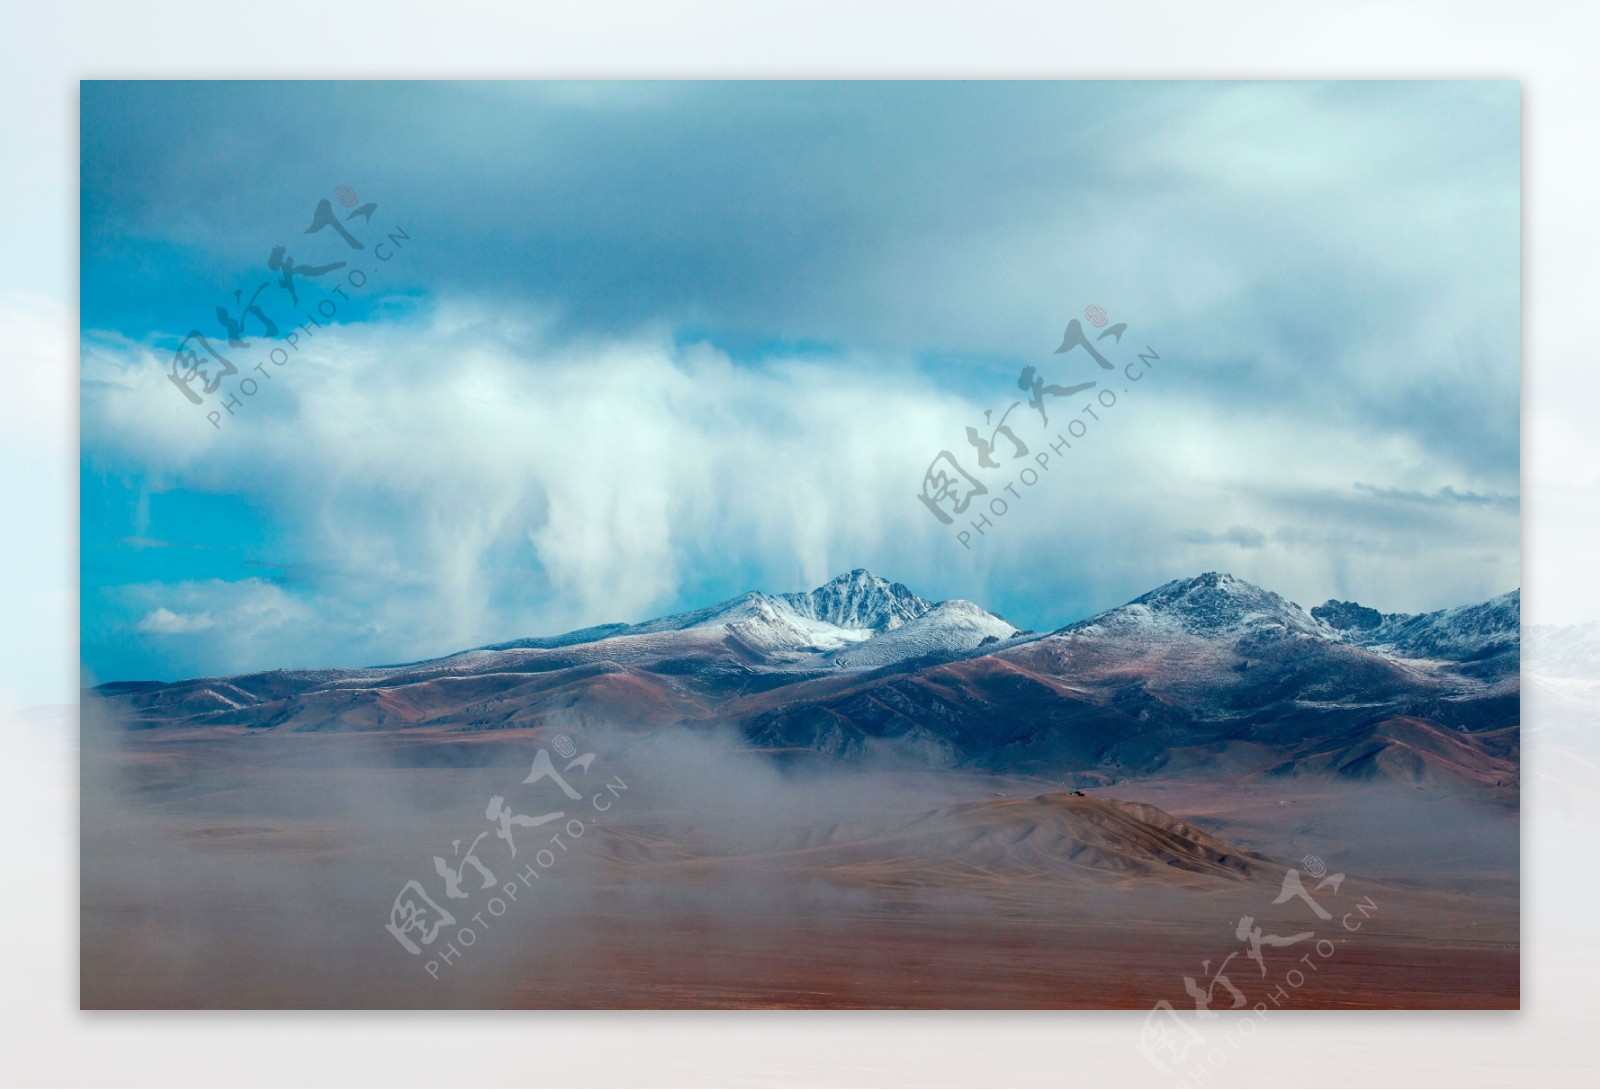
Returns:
<point x="860" y="600"/>
<point x="1209" y="675"/>
<point x="849" y="610"/>
<point x="1214" y="605"/>
<point x="1202" y="676"/>
<point x="949" y="626"/>
<point x="1486" y="635"/>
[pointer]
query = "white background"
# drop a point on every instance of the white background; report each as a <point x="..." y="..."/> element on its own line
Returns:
<point x="44" y="1040"/>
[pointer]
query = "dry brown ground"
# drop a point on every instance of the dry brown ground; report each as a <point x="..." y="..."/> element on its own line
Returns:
<point x="211" y="882"/>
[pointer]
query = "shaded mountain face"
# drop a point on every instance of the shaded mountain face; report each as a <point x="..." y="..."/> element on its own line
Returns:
<point x="1204" y="677"/>
<point x="1349" y="616"/>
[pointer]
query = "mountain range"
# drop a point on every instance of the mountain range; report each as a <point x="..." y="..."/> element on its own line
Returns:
<point x="1207" y="677"/>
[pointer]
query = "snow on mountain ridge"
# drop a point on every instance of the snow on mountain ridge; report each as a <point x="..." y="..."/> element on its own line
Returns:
<point x="956" y="625"/>
<point x="848" y="610"/>
<point x="1213" y="604"/>
<point x="858" y="620"/>
<point x="1479" y="630"/>
<point x="775" y="625"/>
<point x="857" y="600"/>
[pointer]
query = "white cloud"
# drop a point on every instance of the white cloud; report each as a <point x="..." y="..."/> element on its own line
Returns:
<point x="467" y="477"/>
<point x="218" y="626"/>
<point x="162" y="621"/>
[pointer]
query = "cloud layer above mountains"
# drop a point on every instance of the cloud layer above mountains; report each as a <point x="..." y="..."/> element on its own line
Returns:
<point x="655" y="345"/>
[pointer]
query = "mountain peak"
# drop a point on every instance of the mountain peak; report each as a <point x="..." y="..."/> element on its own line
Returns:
<point x="851" y="577"/>
<point x="1210" y="603"/>
<point x="858" y="599"/>
<point x="1212" y="590"/>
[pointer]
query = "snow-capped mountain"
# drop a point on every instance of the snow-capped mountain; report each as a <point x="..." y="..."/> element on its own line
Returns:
<point x="848" y="610"/>
<point x="860" y="600"/>
<point x="1214" y="605"/>
<point x="1198" y="676"/>
<point x="1202" y="676"/>
<point x="949" y="626"/>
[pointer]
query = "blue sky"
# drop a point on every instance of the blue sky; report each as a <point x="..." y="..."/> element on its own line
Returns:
<point x="639" y="347"/>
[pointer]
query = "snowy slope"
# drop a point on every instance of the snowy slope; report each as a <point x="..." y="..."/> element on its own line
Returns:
<point x="1214" y="606"/>
<point x="947" y="627"/>
<point x="847" y="611"/>
<point x="1485" y="638"/>
<point x="860" y="600"/>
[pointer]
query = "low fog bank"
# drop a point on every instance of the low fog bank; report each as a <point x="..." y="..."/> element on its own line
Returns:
<point x="1393" y="832"/>
<point x="261" y="869"/>
<point x="222" y="869"/>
